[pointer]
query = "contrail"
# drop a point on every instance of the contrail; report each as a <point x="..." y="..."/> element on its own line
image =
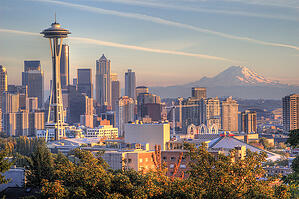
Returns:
<point x="132" y="47"/>
<point x="197" y="9"/>
<point x="167" y="22"/>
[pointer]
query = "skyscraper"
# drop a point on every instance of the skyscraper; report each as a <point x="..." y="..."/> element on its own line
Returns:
<point x="78" y="104"/>
<point x="3" y="82"/>
<point x="130" y="84"/>
<point x="149" y="105"/>
<point x="103" y="81"/>
<point x="32" y="65"/>
<point x="84" y="84"/>
<point x="33" y="78"/>
<point x="199" y="92"/>
<point x="115" y="90"/>
<point x="249" y="123"/>
<point x="64" y="66"/>
<point x="229" y="115"/>
<point x="124" y="113"/>
<point x="290" y="106"/>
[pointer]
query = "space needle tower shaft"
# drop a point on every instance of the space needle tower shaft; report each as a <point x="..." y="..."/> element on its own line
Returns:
<point x="55" y="123"/>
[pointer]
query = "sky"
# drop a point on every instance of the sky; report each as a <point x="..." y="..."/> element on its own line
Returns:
<point x="166" y="42"/>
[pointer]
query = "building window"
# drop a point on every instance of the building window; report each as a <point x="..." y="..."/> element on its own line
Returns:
<point x="140" y="160"/>
<point x="172" y="158"/>
<point x="146" y="159"/>
<point x="183" y="166"/>
<point x="129" y="160"/>
<point x="171" y="166"/>
<point x="164" y="158"/>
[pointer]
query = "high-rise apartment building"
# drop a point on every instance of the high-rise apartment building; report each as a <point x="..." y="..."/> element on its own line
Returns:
<point x="10" y="124"/>
<point x="36" y="122"/>
<point x="22" y="123"/>
<point x="124" y="113"/>
<point x="115" y="90"/>
<point x="10" y="105"/>
<point x="103" y="81"/>
<point x="23" y="94"/>
<point x="84" y="84"/>
<point x="229" y="115"/>
<point x="212" y="112"/>
<point x="290" y="106"/>
<point x="65" y="66"/>
<point x="33" y="78"/>
<point x="249" y="121"/>
<point x="3" y="82"/>
<point x="130" y="84"/>
<point x="10" y="102"/>
<point x="199" y="93"/>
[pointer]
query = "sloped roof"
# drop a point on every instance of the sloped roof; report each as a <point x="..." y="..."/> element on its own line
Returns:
<point x="231" y="142"/>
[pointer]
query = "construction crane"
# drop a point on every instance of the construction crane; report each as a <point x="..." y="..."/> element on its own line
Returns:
<point x="180" y="106"/>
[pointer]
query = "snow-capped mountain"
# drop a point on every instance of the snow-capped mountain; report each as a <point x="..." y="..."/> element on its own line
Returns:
<point x="237" y="81"/>
<point x="236" y="76"/>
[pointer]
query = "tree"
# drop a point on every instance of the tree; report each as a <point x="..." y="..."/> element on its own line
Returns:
<point x="53" y="190"/>
<point x="84" y="178"/>
<point x="5" y="164"/>
<point x="293" y="139"/>
<point x="219" y="177"/>
<point x="41" y="164"/>
<point x="293" y="178"/>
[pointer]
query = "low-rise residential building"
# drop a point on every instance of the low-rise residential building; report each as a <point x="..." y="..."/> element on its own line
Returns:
<point x="139" y="160"/>
<point x="276" y="170"/>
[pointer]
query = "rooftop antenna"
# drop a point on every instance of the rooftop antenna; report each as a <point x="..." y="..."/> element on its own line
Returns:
<point x="55" y="17"/>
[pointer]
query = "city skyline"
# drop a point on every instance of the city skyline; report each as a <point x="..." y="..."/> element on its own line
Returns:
<point x="156" y="36"/>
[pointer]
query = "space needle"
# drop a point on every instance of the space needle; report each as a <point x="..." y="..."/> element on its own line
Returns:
<point x="55" y="126"/>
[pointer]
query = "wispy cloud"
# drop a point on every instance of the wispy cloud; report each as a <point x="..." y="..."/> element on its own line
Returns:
<point x="19" y="32"/>
<point x="198" y="9"/>
<point x="125" y="46"/>
<point x="167" y="22"/>
<point x="274" y="3"/>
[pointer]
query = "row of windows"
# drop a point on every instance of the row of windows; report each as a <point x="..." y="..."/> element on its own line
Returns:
<point x="172" y="158"/>
<point x="182" y="166"/>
